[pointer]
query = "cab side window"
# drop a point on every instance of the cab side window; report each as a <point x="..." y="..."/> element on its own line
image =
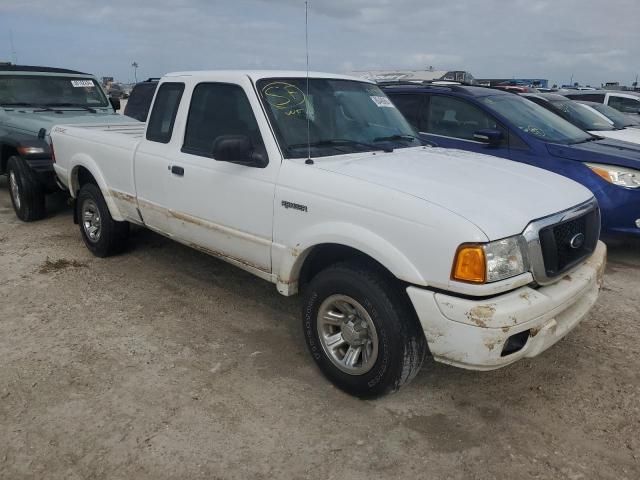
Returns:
<point x="163" y="114"/>
<point x="452" y="117"/>
<point x="219" y="110"/>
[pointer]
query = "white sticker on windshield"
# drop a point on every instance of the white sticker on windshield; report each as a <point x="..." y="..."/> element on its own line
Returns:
<point x="82" y="83"/>
<point x="382" y="102"/>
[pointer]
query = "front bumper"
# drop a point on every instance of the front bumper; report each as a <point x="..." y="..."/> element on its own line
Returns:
<point x="473" y="333"/>
<point x="620" y="208"/>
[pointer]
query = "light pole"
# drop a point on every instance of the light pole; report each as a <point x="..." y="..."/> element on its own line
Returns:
<point x="135" y="71"/>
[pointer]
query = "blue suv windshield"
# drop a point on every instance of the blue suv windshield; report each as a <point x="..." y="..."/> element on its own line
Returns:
<point x="335" y="117"/>
<point x="535" y="120"/>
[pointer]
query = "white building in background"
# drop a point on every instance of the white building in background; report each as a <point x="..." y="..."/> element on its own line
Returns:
<point x="414" y="75"/>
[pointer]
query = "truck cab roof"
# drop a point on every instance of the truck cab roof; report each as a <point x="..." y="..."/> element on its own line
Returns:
<point x="259" y="74"/>
<point x="35" y="69"/>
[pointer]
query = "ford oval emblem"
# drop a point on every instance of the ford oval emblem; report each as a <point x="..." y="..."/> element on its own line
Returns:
<point x="577" y="241"/>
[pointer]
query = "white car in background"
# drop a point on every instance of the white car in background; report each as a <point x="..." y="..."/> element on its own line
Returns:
<point x="619" y="119"/>
<point x="584" y="117"/>
<point x="625" y="102"/>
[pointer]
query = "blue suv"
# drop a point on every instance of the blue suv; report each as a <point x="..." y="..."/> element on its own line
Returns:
<point x="506" y="125"/>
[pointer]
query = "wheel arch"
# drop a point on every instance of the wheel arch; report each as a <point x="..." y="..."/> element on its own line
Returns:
<point x="299" y="264"/>
<point x="6" y="151"/>
<point x="83" y="171"/>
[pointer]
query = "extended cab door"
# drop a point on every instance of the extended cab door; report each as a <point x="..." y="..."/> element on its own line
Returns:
<point x="153" y="157"/>
<point x="223" y="208"/>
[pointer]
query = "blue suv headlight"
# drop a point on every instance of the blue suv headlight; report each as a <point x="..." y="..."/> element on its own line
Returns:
<point x="621" y="176"/>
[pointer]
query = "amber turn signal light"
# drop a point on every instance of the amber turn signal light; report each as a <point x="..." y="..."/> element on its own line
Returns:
<point x="469" y="264"/>
<point x="601" y="172"/>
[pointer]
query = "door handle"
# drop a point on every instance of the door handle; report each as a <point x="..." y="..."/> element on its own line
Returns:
<point x="176" y="170"/>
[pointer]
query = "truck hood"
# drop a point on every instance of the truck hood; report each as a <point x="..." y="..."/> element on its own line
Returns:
<point x="607" y="150"/>
<point x="501" y="197"/>
<point x="32" y="122"/>
<point x="631" y="135"/>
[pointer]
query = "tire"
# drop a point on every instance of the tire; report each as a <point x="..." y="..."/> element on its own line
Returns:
<point x="395" y="347"/>
<point x="102" y="235"/>
<point x="26" y="192"/>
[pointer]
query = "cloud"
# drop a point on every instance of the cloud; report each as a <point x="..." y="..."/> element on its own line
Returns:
<point x="592" y="40"/>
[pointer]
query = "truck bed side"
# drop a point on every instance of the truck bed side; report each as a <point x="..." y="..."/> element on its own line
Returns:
<point x="106" y="152"/>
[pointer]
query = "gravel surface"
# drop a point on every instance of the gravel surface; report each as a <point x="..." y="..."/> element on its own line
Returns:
<point x="166" y="363"/>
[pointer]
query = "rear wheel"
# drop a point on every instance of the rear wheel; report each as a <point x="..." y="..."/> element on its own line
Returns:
<point x="27" y="194"/>
<point x="362" y="330"/>
<point x="102" y="235"/>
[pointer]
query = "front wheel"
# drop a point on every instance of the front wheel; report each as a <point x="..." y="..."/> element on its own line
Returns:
<point x="27" y="194"/>
<point x="102" y="235"/>
<point x="362" y="330"/>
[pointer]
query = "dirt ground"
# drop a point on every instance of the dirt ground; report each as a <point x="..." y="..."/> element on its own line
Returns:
<point x="166" y="363"/>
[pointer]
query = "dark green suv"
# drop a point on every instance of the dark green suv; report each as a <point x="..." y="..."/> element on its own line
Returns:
<point x="32" y="101"/>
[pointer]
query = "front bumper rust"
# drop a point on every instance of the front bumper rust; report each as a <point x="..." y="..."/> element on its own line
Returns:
<point x="472" y="333"/>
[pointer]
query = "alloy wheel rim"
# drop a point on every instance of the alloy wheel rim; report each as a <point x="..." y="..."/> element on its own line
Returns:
<point x="347" y="334"/>
<point x="15" y="190"/>
<point x="91" y="221"/>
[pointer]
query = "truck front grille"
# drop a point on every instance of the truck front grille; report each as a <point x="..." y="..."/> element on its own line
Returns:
<point x="561" y="241"/>
<point x="567" y="243"/>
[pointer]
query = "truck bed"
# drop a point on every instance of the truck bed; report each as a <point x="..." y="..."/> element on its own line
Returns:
<point x="112" y="146"/>
<point x="116" y="130"/>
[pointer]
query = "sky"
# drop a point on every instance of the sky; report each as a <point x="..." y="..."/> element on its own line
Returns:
<point x="591" y="41"/>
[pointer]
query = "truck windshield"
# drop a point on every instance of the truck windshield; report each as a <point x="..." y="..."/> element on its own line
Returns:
<point x="335" y="117"/>
<point x="533" y="119"/>
<point x="51" y="91"/>
<point x="582" y="116"/>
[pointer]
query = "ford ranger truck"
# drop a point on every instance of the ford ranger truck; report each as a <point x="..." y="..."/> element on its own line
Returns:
<point x="32" y="100"/>
<point x="399" y="249"/>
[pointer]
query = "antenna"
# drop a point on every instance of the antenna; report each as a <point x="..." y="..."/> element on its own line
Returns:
<point x="306" y="44"/>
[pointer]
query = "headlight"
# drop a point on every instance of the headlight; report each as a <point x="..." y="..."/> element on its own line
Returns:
<point x="490" y="262"/>
<point x="621" y="176"/>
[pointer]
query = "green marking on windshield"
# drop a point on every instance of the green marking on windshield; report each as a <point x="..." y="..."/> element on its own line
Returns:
<point x="283" y="95"/>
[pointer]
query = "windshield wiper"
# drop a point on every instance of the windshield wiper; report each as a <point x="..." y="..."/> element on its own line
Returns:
<point x="75" y="105"/>
<point x="18" y="104"/>
<point x="391" y="138"/>
<point x="36" y="107"/>
<point x="423" y="142"/>
<point x="337" y="142"/>
<point x="586" y="140"/>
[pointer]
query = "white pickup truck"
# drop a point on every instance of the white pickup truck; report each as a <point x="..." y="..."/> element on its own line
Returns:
<point x="321" y="185"/>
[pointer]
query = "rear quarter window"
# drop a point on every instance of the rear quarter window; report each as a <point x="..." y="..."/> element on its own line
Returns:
<point x="163" y="115"/>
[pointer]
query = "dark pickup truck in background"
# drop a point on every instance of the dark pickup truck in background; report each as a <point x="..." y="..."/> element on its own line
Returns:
<point x="140" y="99"/>
<point x="32" y="100"/>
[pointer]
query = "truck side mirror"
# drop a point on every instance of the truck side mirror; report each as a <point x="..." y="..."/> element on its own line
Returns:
<point x="489" y="136"/>
<point x="115" y="103"/>
<point x="237" y="149"/>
